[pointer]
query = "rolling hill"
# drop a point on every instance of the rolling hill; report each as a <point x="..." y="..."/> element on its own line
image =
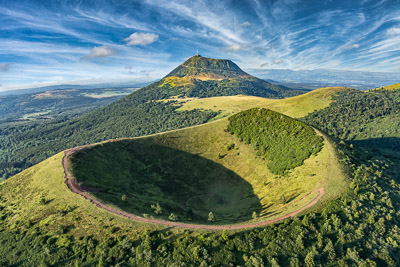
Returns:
<point x="297" y="106"/>
<point x="252" y="169"/>
<point x="370" y="118"/>
<point x="391" y="87"/>
<point x="195" y="168"/>
<point x="354" y="224"/>
<point x="139" y="113"/>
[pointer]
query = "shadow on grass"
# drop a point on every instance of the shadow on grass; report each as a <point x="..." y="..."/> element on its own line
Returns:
<point x="292" y="198"/>
<point x="136" y="174"/>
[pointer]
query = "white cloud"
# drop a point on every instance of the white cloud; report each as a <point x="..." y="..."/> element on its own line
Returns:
<point x="246" y="23"/>
<point x="101" y="51"/>
<point x="140" y="38"/>
<point x="5" y="67"/>
<point x="278" y="61"/>
<point x="394" y="30"/>
<point x="355" y="46"/>
<point x="204" y="14"/>
<point x="236" y="47"/>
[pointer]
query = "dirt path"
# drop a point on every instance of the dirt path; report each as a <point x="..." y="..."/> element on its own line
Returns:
<point x="74" y="187"/>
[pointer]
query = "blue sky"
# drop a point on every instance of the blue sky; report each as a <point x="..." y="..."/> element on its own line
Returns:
<point x="48" y="42"/>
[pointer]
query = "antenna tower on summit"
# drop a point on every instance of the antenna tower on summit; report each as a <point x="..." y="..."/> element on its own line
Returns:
<point x="197" y="52"/>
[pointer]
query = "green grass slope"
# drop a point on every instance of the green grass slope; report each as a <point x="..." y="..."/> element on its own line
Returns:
<point x="44" y="224"/>
<point x="137" y="114"/>
<point x="197" y="170"/>
<point x="389" y="87"/>
<point x="296" y="107"/>
<point x="51" y="225"/>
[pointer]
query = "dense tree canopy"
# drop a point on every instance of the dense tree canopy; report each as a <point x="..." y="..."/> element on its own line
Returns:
<point x="361" y="228"/>
<point x="357" y="115"/>
<point x="284" y="141"/>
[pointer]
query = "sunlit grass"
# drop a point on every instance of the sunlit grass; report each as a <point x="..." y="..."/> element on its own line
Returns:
<point x="297" y="106"/>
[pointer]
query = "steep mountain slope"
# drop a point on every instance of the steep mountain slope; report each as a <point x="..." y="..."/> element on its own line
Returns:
<point x="137" y="114"/>
<point x="205" y="77"/>
<point x="208" y="68"/>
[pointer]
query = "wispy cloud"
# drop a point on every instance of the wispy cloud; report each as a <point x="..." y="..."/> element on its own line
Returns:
<point x="47" y="41"/>
<point x="236" y="47"/>
<point x="100" y="51"/>
<point x="394" y="30"/>
<point x="204" y="14"/>
<point x="140" y="38"/>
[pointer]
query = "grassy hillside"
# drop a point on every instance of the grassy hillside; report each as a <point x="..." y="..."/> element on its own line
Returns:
<point x="359" y="228"/>
<point x="139" y="113"/>
<point x="297" y="106"/>
<point x="391" y="87"/>
<point x="203" y="169"/>
<point x="49" y="225"/>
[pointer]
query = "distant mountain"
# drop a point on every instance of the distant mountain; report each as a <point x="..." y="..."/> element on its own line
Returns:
<point x="148" y="110"/>
<point x="207" y="77"/>
<point x="203" y="68"/>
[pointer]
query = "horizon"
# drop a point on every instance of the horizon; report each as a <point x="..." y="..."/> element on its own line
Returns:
<point x="80" y="42"/>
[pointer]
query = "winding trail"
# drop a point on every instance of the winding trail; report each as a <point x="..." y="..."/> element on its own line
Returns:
<point x="76" y="188"/>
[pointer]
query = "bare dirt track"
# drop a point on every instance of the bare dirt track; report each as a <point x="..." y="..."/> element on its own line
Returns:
<point x="76" y="188"/>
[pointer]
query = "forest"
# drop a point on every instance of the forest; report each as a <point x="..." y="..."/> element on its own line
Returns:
<point x="358" y="229"/>
<point x="25" y="144"/>
<point x="145" y="111"/>
<point x="283" y="141"/>
<point x="356" y="115"/>
<point x="239" y="86"/>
